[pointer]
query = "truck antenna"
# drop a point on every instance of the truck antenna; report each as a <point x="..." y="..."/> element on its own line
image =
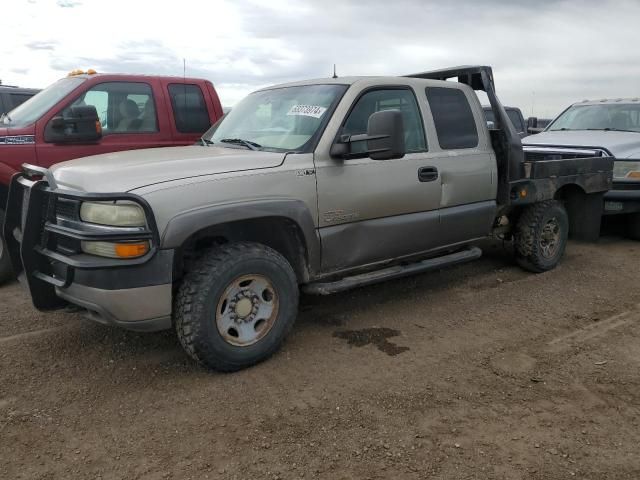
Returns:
<point x="334" y="71"/>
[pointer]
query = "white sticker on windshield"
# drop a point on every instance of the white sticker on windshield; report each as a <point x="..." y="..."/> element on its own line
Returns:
<point x="307" y="110"/>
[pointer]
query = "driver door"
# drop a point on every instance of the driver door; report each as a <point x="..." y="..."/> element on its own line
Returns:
<point x="375" y="210"/>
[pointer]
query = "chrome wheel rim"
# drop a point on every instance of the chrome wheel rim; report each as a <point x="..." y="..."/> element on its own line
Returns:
<point x="550" y="238"/>
<point x="247" y="310"/>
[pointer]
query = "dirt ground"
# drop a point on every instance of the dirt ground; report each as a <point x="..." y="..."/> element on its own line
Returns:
<point x="477" y="372"/>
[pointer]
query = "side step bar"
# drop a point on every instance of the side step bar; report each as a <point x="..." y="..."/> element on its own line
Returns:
<point x="397" y="271"/>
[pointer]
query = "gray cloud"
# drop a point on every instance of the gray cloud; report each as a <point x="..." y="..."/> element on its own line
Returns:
<point x="68" y="3"/>
<point x="546" y="54"/>
<point x="41" y="45"/>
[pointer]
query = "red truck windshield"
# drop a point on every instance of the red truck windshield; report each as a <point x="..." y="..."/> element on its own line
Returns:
<point x="39" y="104"/>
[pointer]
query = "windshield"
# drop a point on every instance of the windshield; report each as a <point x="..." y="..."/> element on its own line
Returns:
<point x="606" y="116"/>
<point x="282" y="119"/>
<point x="39" y="104"/>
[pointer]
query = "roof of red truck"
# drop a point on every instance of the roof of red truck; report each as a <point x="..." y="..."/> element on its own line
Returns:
<point x="124" y="76"/>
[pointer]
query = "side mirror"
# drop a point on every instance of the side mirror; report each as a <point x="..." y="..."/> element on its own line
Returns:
<point x="532" y="122"/>
<point x="384" y="137"/>
<point x="82" y="125"/>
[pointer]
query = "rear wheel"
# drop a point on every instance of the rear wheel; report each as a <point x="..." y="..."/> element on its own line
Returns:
<point x="6" y="271"/>
<point x="541" y="236"/>
<point x="236" y="306"/>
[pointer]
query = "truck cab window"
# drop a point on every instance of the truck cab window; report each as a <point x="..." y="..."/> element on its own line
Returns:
<point x="515" y="119"/>
<point x="123" y="107"/>
<point x="189" y="108"/>
<point x="453" y="118"/>
<point x="388" y="99"/>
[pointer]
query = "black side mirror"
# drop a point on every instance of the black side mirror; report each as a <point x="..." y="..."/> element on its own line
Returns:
<point x="532" y="122"/>
<point x="384" y="137"/>
<point x="82" y="125"/>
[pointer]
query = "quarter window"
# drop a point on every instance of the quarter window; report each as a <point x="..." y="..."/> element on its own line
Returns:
<point x="189" y="108"/>
<point x="387" y="99"/>
<point x="123" y="107"/>
<point x="453" y="118"/>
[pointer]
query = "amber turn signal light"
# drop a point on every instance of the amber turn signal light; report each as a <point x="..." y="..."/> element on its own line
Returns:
<point x="131" y="250"/>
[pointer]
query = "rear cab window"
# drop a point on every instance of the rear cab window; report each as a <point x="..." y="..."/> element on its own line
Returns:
<point x="516" y="120"/>
<point x="123" y="107"/>
<point x="189" y="108"/>
<point x="453" y="118"/>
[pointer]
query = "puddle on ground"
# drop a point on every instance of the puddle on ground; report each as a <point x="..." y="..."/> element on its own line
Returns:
<point x="372" y="336"/>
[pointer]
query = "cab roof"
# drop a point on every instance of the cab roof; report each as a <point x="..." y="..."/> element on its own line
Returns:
<point x="633" y="100"/>
<point x="352" y="80"/>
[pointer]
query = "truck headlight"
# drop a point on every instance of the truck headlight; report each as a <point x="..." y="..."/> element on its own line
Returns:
<point x="622" y="169"/>
<point x="113" y="214"/>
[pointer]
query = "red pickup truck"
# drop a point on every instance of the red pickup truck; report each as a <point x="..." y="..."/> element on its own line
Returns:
<point x="88" y="113"/>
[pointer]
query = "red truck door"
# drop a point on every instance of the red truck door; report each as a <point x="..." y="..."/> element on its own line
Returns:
<point x="133" y="114"/>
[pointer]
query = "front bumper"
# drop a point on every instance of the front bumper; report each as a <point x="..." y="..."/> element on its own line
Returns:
<point x="43" y="238"/>
<point x="624" y="197"/>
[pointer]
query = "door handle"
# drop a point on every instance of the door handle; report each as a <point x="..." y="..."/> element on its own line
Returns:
<point x="427" y="174"/>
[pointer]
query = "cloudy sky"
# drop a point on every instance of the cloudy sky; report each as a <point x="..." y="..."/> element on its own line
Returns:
<point x="545" y="53"/>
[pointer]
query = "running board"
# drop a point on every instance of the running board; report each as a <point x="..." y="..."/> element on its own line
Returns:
<point x="346" y="283"/>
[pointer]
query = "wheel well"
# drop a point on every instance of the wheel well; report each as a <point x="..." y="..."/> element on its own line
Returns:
<point x="280" y="233"/>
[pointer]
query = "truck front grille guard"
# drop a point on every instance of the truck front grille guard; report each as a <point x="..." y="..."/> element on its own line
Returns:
<point x="32" y="230"/>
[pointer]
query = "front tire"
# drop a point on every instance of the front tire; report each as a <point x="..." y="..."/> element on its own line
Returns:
<point x="236" y="306"/>
<point x="541" y="236"/>
<point x="6" y="270"/>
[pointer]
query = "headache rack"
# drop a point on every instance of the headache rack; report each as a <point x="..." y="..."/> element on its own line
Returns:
<point x="43" y="233"/>
<point x="523" y="176"/>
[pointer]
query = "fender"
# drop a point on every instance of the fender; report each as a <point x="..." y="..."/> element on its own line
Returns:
<point x="185" y="224"/>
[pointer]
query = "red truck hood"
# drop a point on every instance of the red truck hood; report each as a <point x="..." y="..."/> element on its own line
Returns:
<point x="6" y="131"/>
<point x="126" y="171"/>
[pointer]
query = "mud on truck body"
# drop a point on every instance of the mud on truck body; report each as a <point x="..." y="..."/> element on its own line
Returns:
<point x="321" y="185"/>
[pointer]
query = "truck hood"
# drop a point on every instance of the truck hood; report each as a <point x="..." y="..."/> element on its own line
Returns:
<point x="126" y="171"/>
<point x="620" y="144"/>
<point x="8" y="131"/>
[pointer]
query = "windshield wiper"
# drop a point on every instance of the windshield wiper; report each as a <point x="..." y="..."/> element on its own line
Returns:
<point x="610" y="129"/>
<point x="205" y="142"/>
<point x="240" y="141"/>
<point x="563" y="129"/>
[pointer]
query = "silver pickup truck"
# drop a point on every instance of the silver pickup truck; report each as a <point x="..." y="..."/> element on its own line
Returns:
<point x="321" y="185"/>
<point x="601" y="127"/>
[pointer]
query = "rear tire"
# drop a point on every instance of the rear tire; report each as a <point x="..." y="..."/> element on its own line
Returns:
<point x="236" y="306"/>
<point x="541" y="236"/>
<point x="6" y="270"/>
<point x="633" y="226"/>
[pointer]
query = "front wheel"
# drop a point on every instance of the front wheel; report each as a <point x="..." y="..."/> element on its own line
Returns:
<point x="6" y="271"/>
<point x="236" y="306"/>
<point x="541" y="236"/>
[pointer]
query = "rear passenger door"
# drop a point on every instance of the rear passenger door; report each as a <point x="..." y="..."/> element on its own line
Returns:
<point x="128" y="113"/>
<point x="467" y="166"/>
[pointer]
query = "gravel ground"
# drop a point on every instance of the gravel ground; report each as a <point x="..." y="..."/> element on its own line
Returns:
<point x="481" y="371"/>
